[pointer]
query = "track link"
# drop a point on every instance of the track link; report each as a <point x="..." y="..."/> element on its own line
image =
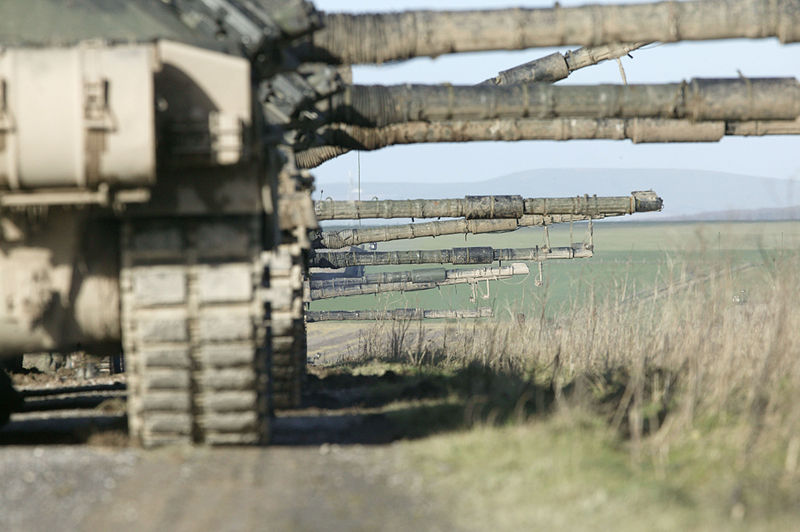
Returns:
<point x="194" y="332"/>
<point x="288" y="330"/>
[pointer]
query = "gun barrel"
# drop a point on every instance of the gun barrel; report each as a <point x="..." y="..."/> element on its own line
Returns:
<point x="470" y="255"/>
<point x="377" y="38"/>
<point x="558" y="66"/>
<point x="385" y="233"/>
<point x="489" y="207"/>
<point x="397" y="314"/>
<point x="698" y="99"/>
<point x="368" y="289"/>
<point x="341" y="137"/>
<point x="425" y="275"/>
<point x="550" y="68"/>
<point x="408" y="281"/>
<point x="763" y="127"/>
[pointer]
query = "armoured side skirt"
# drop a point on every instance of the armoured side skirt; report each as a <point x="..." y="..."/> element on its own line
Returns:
<point x="59" y="288"/>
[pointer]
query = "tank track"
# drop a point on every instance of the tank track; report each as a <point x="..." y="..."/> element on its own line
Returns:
<point x="194" y="331"/>
<point x="286" y="268"/>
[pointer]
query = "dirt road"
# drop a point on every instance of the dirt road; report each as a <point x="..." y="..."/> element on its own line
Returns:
<point x="319" y="488"/>
<point x="332" y="468"/>
<point x="278" y="488"/>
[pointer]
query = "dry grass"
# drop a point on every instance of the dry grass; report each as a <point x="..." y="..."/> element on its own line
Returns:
<point x="699" y="391"/>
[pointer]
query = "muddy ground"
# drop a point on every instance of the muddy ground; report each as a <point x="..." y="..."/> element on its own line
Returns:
<point x="66" y="463"/>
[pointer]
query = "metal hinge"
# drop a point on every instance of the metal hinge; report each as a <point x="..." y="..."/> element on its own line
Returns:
<point x="5" y="119"/>
<point x="97" y="112"/>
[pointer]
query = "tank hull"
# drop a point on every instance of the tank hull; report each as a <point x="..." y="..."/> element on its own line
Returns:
<point x="59" y="284"/>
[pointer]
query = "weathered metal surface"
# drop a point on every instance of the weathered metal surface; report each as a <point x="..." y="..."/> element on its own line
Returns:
<point x="107" y="103"/>
<point x="226" y="25"/>
<point x="339" y="138"/>
<point x="488" y="207"/>
<point x="760" y="128"/>
<point x="398" y="314"/>
<point x="468" y="207"/>
<point x="557" y="66"/>
<point x="698" y="99"/>
<point x="111" y="141"/>
<point x="315" y="156"/>
<point x="409" y="281"/>
<point x="58" y="283"/>
<point x="472" y="255"/>
<point x="550" y="68"/>
<point x="385" y="233"/>
<point x="36" y="22"/>
<point x="377" y="38"/>
<point x="195" y="359"/>
<point x="638" y="130"/>
<point x="374" y="116"/>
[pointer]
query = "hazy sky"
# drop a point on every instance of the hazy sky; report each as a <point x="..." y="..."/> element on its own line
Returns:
<point x="766" y="156"/>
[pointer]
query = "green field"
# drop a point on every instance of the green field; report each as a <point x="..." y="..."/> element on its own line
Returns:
<point x="630" y="258"/>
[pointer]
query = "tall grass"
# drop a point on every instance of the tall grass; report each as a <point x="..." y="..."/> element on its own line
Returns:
<point x="696" y="362"/>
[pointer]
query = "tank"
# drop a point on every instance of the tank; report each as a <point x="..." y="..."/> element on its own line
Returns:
<point x="150" y="200"/>
<point x="147" y="206"/>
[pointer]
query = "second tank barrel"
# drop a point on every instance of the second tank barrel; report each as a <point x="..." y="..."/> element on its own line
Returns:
<point x="423" y="275"/>
<point x="409" y="281"/>
<point x="338" y="138"/>
<point x="488" y="207"/>
<point x="698" y="99"/>
<point x="385" y="233"/>
<point x="470" y="255"/>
